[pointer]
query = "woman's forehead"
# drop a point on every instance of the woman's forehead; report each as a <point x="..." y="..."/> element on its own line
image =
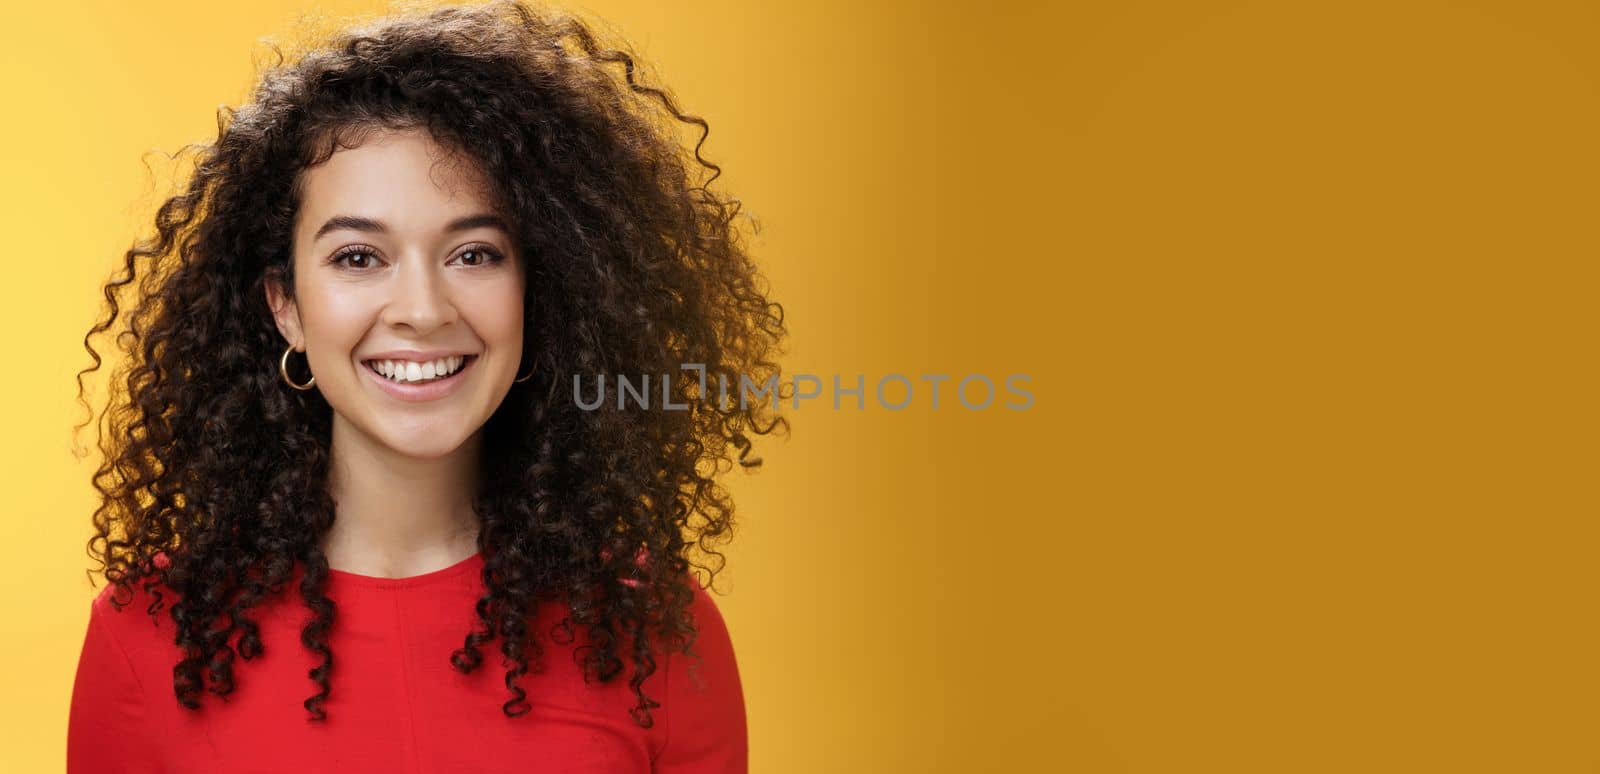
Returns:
<point x="405" y="177"/>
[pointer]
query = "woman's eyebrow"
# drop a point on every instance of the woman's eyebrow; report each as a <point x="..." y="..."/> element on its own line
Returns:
<point x="356" y="223"/>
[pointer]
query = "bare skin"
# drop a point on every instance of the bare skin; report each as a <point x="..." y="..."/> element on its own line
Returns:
<point x="403" y="470"/>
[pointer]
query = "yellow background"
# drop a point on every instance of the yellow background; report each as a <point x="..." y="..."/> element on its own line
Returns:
<point x="1307" y="293"/>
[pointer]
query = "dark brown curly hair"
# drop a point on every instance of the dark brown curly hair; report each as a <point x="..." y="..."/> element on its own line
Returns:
<point x="213" y="483"/>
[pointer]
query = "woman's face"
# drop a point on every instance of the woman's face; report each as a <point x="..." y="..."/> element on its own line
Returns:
<point x="402" y="266"/>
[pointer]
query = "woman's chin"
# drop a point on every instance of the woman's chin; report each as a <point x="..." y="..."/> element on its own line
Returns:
<point x="416" y="437"/>
<point x="424" y="445"/>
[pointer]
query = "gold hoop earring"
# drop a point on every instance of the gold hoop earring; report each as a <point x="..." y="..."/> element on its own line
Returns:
<point x="283" y="368"/>
<point x="521" y="379"/>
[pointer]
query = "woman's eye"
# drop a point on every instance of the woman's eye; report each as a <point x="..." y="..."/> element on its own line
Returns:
<point x="477" y="256"/>
<point x="356" y="259"/>
<point x="362" y="258"/>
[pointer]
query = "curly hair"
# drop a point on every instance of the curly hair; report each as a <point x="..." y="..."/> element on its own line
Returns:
<point x="214" y="478"/>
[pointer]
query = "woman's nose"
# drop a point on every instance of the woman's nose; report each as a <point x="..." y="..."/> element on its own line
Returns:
<point x="420" y="297"/>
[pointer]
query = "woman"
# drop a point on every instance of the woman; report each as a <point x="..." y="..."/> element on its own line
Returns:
<point x="344" y="449"/>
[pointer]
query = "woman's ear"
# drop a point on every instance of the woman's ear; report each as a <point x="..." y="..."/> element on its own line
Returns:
<point x="284" y="310"/>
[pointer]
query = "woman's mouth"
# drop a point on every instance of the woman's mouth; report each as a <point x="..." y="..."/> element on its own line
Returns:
<point x="414" y="381"/>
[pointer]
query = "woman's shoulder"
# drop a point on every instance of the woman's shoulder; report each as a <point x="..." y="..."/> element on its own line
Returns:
<point x="704" y="608"/>
<point x="704" y="711"/>
<point x="711" y="670"/>
<point x="133" y="611"/>
<point x="136" y="613"/>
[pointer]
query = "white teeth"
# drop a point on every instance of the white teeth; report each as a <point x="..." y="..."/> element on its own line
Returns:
<point x="406" y="371"/>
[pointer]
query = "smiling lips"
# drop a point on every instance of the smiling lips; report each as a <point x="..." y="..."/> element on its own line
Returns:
<point x="412" y="371"/>
<point x="413" y="380"/>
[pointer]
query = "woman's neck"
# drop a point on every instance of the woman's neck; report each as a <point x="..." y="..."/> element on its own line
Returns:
<point x="398" y="516"/>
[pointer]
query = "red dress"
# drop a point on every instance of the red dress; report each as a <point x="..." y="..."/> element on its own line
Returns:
<point x="395" y="704"/>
